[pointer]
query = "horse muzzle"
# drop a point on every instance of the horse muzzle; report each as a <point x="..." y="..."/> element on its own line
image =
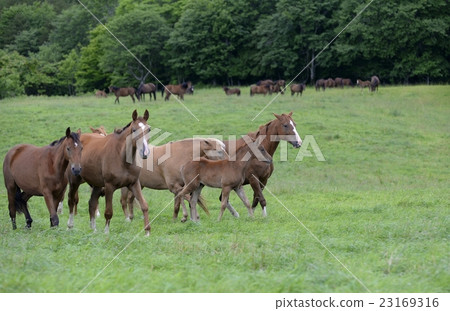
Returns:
<point x="76" y="170"/>
<point x="296" y="144"/>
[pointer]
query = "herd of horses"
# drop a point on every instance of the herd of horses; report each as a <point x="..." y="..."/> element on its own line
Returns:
<point x="125" y="160"/>
<point x="341" y="83"/>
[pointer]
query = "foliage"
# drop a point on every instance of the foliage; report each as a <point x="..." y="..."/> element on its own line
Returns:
<point x="12" y="67"/>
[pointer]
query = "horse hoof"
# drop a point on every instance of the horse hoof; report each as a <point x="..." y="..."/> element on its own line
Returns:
<point x="236" y="215"/>
<point x="128" y="219"/>
<point x="147" y="233"/>
<point x="183" y="219"/>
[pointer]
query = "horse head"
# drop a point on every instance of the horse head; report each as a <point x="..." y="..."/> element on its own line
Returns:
<point x="72" y="150"/>
<point x="139" y="131"/>
<point x="286" y="129"/>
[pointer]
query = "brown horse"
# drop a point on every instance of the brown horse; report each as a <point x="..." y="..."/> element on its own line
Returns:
<point x="347" y="82"/>
<point x="363" y="84"/>
<point x="101" y="130"/>
<point x="100" y="94"/>
<point x="179" y="89"/>
<point x="148" y="88"/>
<point x="122" y="91"/>
<point x="226" y="174"/>
<point x="297" y="88"/>
<point x="33" y="171"/>
<point x="282" y="127"/>
<point x="162" y="169"/>
<point x="259" y="89"/>
<point x="338" y="83"/>
<point x="233" y="91"/>
<point x="374" y="82"/>
<point x="109" y="163"/>
<point x="321" y="83"/>
<point x="265" y="82"/>
<point x="330" y="83"/>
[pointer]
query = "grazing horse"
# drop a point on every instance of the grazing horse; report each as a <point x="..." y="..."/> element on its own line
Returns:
<point x="122" y="91"/>
<point x="282" y="127"/>
<point x="259" y="89"/>
<point x="347" y="82"/>
<point x="321" y="83"/>
<point x="227" y="174"/>
<point x="162" y="169"/>
<point x="229" y="91"/>
<point x="100" y="94"/>
<point x="338" y="83"/>
<point x="265" y="82"/>
<point x="374" y="82"/>
<point x="330" y="83"/>
<point x="362" y="84"/>
<point x="148" y="88"/>
<point x="110" y="163"/>
<point x="297" y="88"/>
<point x="29" y="170"/>
<point x="179" y="89"/>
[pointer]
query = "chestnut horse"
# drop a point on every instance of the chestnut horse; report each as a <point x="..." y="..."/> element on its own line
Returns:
<point x="362" y="84"/>
<point x="347" y="82"/>
<point x="122" y="91"/>
<point x="40" y="171"/>
<point x="338" y="83"/>
<point x="259" y="89"/>
<point x="321" y="83"/>
<point x="162" y="169"/>
<point x="297" y="88"/>
<point x="227" y="174"/>
<point x="229" y="91"/>
<point x="330" y="83"/>
<point x="100" y="94"/>
<point x="374" y="82"/>
<point x="148" y="88"/>
<point x="110" y="163"/>
<point x="179" y="89"/>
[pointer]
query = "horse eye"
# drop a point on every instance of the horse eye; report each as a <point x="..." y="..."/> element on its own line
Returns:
<point x="285" y="125"/>
<point x="68" y="148"/>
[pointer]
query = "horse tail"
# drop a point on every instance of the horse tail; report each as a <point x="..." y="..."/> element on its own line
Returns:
<point x="162" y="91"/>
<point x="19" y="203"/>
<point x="201" y="201"/>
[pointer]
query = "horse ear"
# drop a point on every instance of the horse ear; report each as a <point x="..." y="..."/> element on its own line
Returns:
<point x="290" y="114"/>
<point x="79" y="132"/>
<point x="134" y="115"/>
<point x="68" y="132"/>
<point x="277" y="116"/>
<point x="146" y="115"/>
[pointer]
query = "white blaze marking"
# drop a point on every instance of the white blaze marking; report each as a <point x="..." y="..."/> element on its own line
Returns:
<point x="297" y="137"/>
<point x="76" y="145"/>
<point x="145" y="151"/>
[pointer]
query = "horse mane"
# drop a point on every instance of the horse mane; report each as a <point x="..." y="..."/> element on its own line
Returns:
<point x="74" y="136"/>
<point x="119" y="131"/>
<point x="263" y="129"/>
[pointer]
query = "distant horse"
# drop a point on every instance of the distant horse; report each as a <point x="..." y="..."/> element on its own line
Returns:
<point x="347" y="82"/>
<point x="100" y="94"/>
<point x="265" y="82"/>
<point x="122" y="91"/>
<point x="162" y="170"/>
<point x="109" y="163"/>
<point x="40" y="171"/>
<point x="374" y="83"/>
<point x="226" y="174"/>
<point x="297" y="88"/>
<point x="321" y="83"/>
<point x="233" y="91"/>
<point x="330" y="83"/>
<point x="261" y="89"/>
<point x="179" y="89"/>
<point x="148" y="88"/>
<point x="362" y="84"/>
<point x="338" y="83"/>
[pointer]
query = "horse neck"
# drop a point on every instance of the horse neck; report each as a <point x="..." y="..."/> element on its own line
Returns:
<point x="269" y="144"/>
<point x="120" y="141"/>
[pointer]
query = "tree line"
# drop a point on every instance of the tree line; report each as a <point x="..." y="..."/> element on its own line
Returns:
<point x="57" y="47"/>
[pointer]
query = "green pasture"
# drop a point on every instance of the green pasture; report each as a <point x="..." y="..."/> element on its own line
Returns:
<point x="379" y="203"/>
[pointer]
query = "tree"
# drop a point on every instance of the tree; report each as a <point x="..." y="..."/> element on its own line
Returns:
<point x="67" y="71"/>
<point x="12" y="67"/>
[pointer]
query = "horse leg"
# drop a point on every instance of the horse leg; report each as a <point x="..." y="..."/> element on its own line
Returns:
<point x="72" y="201"/>
<point x="93" y="203"/>
<point x="154" y="95"/>
<point x="124" y="202"/>
<point x="132" y="97"/>
<point x="137" y="192"/>
<point x="224" y="203"/>
<point x="230" y="207"/>
<point x="258" y="196"/>
<point x="52" y="205"/>
<point x="12" y="190"/>
<point x="241" y="194"/>
<point x="193" y="202"/>
<point x="25" y="198"/>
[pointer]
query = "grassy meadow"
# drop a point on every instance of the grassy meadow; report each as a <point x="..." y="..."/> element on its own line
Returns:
<point x="380" y="202"/>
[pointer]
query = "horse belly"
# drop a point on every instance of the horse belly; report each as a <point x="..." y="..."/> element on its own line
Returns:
<point x="23" y="167"/>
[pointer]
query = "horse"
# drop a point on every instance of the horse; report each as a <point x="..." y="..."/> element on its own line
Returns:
<point x="227" y="174"/>
<point x="229" y="91"/>
<point x="321" y="83"/>
<point x="101" y="130"/>
<point x="179" y="89"/>
<point x="259" y="89"/>
<point x="330" y="83"/>
<point x="99" y="94"/>
<point x="265" y="82"/>
<point x="41" y="171"/>
<point x="297" y="88"/>
<point x="338" y="83"/>
<point x="282" y="127"/>
<point x="149" y="88"/>
<point x="122" y="91"/>
<point x="162" y="170"/>
<point x="110" y="163"/>
<point x="362" y="84"/>
<point x="374" y="82"/>
<point x="347" y="82"/>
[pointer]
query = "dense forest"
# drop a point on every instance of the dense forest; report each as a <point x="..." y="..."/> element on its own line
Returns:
<point x="60" y="47"/>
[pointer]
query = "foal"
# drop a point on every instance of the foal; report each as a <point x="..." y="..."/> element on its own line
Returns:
<point x="226" y="174"/>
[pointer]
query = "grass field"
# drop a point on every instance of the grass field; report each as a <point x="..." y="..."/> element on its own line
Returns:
<point x="379" y="203"/>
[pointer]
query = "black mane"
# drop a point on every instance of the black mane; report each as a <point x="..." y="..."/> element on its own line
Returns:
<point x="74" y="136"/>
<point x="118" y="131"/>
